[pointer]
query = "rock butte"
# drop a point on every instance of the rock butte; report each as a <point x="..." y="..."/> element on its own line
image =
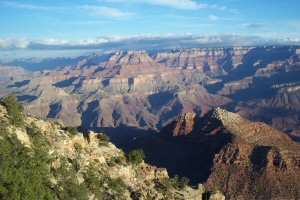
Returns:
<point x="250" y="160"/>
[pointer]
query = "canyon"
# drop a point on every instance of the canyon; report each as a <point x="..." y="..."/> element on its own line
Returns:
<point x="228" y="117"/>
<point x="149" y="89"/>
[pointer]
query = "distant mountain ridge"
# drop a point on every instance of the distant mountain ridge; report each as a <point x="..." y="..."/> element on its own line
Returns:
<point x="150" y="89"/>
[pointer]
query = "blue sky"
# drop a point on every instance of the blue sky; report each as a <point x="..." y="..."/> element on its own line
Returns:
<point x="32" y="24"/>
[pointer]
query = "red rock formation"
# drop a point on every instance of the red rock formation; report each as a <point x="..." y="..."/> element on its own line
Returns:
<point x="256" y="161"/>
<point x="183" y="125"/>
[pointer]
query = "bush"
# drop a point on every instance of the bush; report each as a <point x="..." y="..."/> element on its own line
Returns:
<point x="164" y="186"/>
<point x="183" y="182"/>
<point x="94" y="182"/>
<point x="136" y="195"/>
<point x="24" y="172"/>
<point x="136" y="156"/>
<point x="120" y="160"/>
<point x="118" y="187"/>
<point x="72" y="130"/>
<point x="14" y="109"/>
<point x="104" y="187"/>
<point x="167" y="184"/>
<point x="104" y="139"/>
<point x="179" y="183"/>
<point x="67" y="186"/>
<point x="78" y="147"/>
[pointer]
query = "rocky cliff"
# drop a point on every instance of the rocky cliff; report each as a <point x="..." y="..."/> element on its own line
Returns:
<point x="249" y="160"/>
<point x="150" y="89"/>
<point x="43" y="160"/>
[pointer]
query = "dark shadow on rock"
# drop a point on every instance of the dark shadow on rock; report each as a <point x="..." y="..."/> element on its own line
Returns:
<point x="160" y="99"/>
<point x="246" y="69"/>
<point x="26" y="98"/>
<point x="65" y="83"/>
<point x="261" y="87"/>
<point x="190" y="156"/>
<point x="170" y="115"/>
<point x="54" y="110"/>
<point x="90" y="115"/>
<point x="294" y="137"/>
<point x="19" y="84"/>
<point x="259" y="158"/>
<point x="123" y="135"/>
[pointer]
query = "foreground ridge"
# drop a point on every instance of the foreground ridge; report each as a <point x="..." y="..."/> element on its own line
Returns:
<point x="67" y="164"/>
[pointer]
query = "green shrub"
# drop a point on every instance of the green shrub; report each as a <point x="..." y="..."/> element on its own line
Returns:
<point x="14" y="109"/>
<point x="57" y="123"/>
<point x="120" y="160"/>
<point x="24" y="172"/>
<point x="136" y="156"/>
<point x="94" y="182"/>
<point x="68" y="186"/>
<point x="164" y="186"/>
<point x="104" y="187"/>
<point x="118" y="187"/>
<point x="111" y="162"/>
<point x="78" y="147"/>
<point x="136" y="195"/>
<point x="103" y="139"/>
<point x="75" y="164"/>
<point x="183" y="182"/>
<point x="167" y="184"/>
<point x="179" y="183"/>
<point x="72" y="130"/>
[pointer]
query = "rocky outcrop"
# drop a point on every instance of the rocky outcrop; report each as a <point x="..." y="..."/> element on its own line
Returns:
<point x="89" y="158"/>
<point x="183" y="125"/>
<point x="251" y="160"/>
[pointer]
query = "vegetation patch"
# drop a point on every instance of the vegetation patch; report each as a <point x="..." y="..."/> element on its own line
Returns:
<point x="136" y="156"/>
<point x="167" y="184"/>
<point x="14" y="109"/>
<point x="24" y="172"/>
<point x="103" y="138"/>
<point x="72" y="130"/>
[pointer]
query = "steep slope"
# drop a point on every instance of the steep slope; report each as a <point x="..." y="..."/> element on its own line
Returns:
<point x="43" y="160"/>
<point x="243" y="159"/>
<point x="251" y="159"/>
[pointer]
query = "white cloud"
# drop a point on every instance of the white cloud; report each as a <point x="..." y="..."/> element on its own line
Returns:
<point x="106" y="11"/>
<point x="178" y="4"/>
<point x="213" y="17"/>
<point x="20" y="43"/>
<point x="102" y="11"/>
<point x="223" y="7"/>
<point x="255" y="25"/>
<point x="26" y="6"/>
<point x="220" y="7"/>
<point x="50" y="42"/>
<point x="146" y="41"/>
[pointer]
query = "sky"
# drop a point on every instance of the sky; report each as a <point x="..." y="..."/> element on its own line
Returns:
<point x="104" y="24"/>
